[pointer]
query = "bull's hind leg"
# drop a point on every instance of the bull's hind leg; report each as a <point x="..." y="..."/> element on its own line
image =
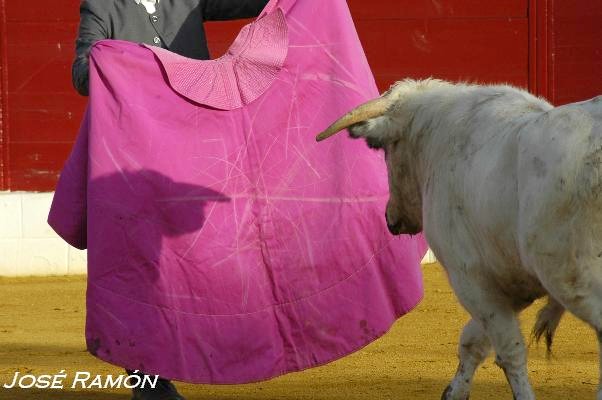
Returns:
<point x="569" y="265"/>
<point x="577" y="287"/>
<point x="600" y="354"/>
<point x="473" y="349"/>
<point x="496" y="316"/>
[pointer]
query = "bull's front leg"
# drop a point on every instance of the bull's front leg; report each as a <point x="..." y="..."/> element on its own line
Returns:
<point x="473" y="349"/>
<point x="494" y="313"/>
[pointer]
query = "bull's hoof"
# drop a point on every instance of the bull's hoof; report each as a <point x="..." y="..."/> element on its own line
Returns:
<point x="447" y="393"/>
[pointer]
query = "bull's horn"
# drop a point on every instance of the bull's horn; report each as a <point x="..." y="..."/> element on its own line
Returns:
<point x="373" y="108"/>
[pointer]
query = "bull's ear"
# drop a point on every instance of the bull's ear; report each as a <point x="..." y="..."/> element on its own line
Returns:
<point x="376" y="131"/>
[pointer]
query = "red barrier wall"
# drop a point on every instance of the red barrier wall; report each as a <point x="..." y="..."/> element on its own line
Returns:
<point x="551" y="47"/>
<point x="574" y="55"/>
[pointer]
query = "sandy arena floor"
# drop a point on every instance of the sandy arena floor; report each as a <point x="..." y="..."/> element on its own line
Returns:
<point x="41" y="332"/>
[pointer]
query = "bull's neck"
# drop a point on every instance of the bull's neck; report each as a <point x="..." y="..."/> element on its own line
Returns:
<point x="428" y="141"/>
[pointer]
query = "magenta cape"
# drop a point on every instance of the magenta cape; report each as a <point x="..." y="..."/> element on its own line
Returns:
<point x="224" y="244"/>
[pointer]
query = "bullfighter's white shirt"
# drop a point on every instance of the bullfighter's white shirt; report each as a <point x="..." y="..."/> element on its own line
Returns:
<point x="150" y="5"/>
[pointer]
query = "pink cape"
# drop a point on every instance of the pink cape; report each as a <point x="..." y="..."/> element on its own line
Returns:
<point x="224" y="244"/>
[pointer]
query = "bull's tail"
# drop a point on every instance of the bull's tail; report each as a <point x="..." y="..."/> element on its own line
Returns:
<point x="548" y="319"/>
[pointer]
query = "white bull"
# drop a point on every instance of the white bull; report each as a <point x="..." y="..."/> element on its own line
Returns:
<point x="508" y="190"/>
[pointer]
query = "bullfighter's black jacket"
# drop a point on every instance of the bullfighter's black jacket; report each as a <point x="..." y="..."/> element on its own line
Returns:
<point x="177" y="25"/>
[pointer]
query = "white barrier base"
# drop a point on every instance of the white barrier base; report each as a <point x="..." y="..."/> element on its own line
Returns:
<point x="429" y="258"/>
<point x="28" y="246"/>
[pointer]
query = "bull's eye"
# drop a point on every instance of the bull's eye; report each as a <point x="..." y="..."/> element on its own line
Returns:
<point x="355" y="129"/>
<point x="374" y="143"/>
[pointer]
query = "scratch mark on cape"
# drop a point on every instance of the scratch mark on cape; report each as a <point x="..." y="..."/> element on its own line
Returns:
<point x="116" y="164"/>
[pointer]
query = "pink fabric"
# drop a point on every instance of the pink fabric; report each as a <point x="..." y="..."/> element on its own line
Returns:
<point x="224" y="244"/>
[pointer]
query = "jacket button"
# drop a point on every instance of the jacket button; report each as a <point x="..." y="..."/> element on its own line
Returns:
<point x="157" y="40"/>
<point x="154" y="18"/>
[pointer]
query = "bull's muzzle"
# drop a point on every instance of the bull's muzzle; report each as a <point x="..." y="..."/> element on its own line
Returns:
<point x="402" y="227"/>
